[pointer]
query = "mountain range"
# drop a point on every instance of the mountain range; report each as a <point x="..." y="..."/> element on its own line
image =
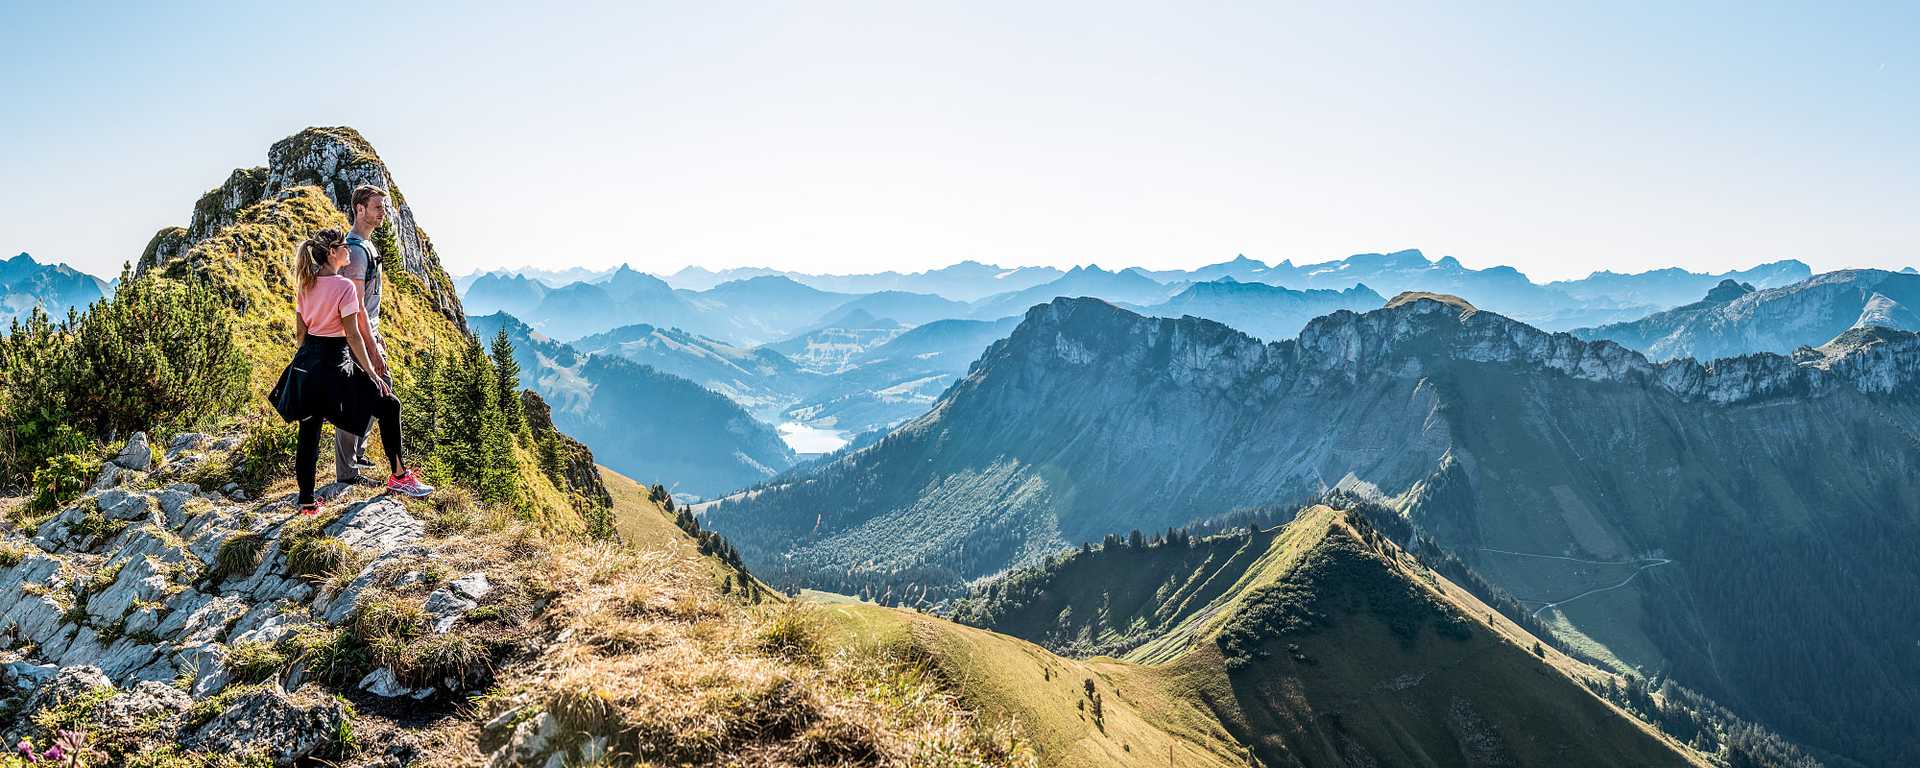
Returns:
<point x="1738" y="318"/>
<point x="640" y="421"/>
<point x="751" y="306"/>
<point x="1675" y="518"/>
<point x="54" y="288"/>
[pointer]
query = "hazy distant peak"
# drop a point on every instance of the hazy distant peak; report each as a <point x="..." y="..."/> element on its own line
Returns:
<point x="1728" y="290"/>
<point x="1880" y="311"/>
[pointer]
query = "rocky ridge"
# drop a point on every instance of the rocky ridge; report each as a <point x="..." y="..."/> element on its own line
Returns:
<point x="152" y="602"/>
<point x="1347" y="346"/>
<point x="335" y="160"/>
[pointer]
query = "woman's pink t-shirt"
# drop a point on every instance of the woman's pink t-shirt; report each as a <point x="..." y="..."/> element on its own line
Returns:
<point x="323" y="305"/>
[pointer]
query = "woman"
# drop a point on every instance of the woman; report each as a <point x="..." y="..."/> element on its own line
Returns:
<point x="328" y="380"/>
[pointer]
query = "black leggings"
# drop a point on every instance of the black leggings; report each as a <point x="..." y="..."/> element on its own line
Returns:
<point x="306" y="453"/>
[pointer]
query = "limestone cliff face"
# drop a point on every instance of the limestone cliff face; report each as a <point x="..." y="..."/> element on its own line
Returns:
<point x="1414" y="331"/>
<point x="335" y="160"/>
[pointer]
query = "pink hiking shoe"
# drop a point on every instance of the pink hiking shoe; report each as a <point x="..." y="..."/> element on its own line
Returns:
<point x="406" y="483"/>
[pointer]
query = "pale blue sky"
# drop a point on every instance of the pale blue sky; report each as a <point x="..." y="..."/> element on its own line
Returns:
<point x="842" y="137"/>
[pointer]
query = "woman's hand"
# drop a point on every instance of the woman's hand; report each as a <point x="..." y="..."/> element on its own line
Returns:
<point x="380" y="382"/>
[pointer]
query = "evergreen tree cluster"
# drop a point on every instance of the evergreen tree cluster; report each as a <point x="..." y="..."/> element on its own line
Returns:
<point x="464" y="417"/>
<point x="157" y="356"/>
<point x="710" y="542"/>
<point x="1701" y="723"/>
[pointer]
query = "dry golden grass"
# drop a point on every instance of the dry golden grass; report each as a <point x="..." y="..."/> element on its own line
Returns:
<point x="634" y="646"/>
<point x="646" y="653"/>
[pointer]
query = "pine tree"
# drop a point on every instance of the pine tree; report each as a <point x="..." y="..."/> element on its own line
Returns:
<point x="476" y="447"/>
<point x="507" y="373"/>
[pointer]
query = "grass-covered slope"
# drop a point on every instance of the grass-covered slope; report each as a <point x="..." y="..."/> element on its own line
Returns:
<point x="1320" y="643"/>
<point x="654" y="654"/>
<point x="240" y="244"/>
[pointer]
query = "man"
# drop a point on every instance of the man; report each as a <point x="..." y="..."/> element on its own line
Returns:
<point x="369" y="210"/>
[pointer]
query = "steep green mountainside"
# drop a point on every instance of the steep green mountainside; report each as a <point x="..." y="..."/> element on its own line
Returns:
<point x="642" y="422"/>
<point x="1163" y="599"/>
<point x="1732" y="321"/>
<point x="1320" y="643"/>
<point x="1720" y="523"/>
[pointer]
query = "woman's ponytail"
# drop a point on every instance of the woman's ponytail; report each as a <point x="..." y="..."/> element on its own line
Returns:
<point x="310" y="259"/>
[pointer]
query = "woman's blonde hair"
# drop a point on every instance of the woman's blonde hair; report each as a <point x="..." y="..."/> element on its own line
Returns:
<point x="310" y="259"/>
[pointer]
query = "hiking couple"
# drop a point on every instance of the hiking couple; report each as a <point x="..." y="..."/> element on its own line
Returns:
<point x="339" y="374"/>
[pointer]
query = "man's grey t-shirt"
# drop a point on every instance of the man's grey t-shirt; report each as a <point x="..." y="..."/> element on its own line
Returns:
<point x="360" y="254"/>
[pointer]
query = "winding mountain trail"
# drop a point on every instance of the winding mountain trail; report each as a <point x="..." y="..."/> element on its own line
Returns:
<point x="1648" y="563"/>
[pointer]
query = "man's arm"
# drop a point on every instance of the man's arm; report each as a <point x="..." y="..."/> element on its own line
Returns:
<point x="357" y="270"/>
<point x="366" y="332"/>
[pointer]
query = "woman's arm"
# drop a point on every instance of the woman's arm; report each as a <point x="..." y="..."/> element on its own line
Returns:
<point x="357" y="344"/>
<point x="299" y="329"/>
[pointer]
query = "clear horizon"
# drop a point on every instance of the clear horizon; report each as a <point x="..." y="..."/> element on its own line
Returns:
<point x="854" y="138"/>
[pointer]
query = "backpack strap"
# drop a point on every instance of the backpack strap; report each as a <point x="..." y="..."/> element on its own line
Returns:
<point x="373" y="258"/>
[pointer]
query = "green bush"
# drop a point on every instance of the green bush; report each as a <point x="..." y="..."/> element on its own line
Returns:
<point x="156" y="356"/>
<point x="59" y="481"/>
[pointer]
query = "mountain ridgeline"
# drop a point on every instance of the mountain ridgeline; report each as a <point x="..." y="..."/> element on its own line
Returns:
<point x="1718" y="523"/>
<point x="1738" y="318"/>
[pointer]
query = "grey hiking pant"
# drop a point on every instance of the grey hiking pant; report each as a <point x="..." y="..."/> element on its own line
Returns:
<point x="346" y="446"/>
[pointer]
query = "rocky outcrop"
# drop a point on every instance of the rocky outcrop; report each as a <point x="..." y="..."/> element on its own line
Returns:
<point x="282" y="727"/>
<point x="335" y="160"/>
<point x="136" y="601"/>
